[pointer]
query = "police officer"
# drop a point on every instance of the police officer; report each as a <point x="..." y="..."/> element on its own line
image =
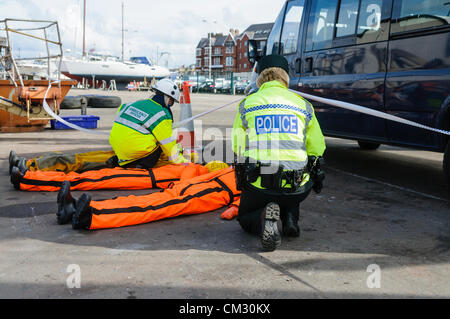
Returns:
<point x="142" y="130"/>
<point x="278" y="145"/>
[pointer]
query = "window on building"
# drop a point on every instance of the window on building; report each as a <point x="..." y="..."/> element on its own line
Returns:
<point x="321" y="25"/>
<point x="198" y="63"/>
<point x="346" y="24"/>
<point x="207" y="50"/>
<point x="419" y="14"/>
<point x="229" y="47"/>
<point x="291" y="27"/>
<point x="216" y="61"/>
<point x="217" y="50"/>
<point x="199" y="52"/>
<point x="206" y="61"/>
<point x="245" y="65"/>
<point x="245" y="43"/>
<point x="229" y="61"/>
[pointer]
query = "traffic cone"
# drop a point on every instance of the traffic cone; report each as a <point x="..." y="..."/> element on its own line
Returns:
<point x="186" y="136"/>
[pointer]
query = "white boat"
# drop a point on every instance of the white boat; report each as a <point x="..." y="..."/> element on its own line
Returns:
<point x="104" y="67"/>
<point x="38" y="69"/>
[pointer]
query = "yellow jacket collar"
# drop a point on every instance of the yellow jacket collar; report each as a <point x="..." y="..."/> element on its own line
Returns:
<point x="272" y="84"/>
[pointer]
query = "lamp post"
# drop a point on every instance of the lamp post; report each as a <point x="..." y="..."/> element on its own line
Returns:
<point x="210" y="48"/>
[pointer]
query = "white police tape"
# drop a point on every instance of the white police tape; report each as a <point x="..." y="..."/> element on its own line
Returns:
<point x="178" y="124"/>
<point x="56" y="117"/>
<point x="365" y="110"/>
<point x="344" y="105"/>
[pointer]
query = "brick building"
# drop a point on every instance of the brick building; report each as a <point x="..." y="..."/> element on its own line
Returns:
<point x="229" y="53"/>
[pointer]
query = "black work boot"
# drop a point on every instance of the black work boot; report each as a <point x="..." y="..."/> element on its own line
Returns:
<point x="82" y="217"/>
<point x="66" y="204"/>
<point x="22" y="165"/>
<point x="16" y="177"/>
<point x="270" y="236"/>
<point x="290" y="225"/>
<point x="13" y="160"/>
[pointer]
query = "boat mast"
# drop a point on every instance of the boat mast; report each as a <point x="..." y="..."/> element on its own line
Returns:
<point x="122" y="33"/>
<point x="84" y="28"/>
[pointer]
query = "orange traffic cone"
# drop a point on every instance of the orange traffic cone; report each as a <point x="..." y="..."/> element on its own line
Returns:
<point x="186" y="136"/>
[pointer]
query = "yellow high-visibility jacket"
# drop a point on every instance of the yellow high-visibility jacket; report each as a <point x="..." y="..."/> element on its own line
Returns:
<point x="140" y="128"/>
<point x="277" y="125"/>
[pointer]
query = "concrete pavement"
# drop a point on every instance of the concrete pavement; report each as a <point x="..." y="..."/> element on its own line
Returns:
<point x="379" y="229"/>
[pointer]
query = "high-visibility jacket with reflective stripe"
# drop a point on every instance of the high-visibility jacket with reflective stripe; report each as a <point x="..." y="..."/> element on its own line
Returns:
<point x="138" y="130"/>
<point x="275" y="125"/>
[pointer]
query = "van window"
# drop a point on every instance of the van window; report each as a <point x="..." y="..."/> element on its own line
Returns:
<point x="321" y="24"/>
<point x="373" y="21"/>
<point x="274" y="36"/>
<point x="409" y="15"/>
<point x="346" y="24"/>
<point x="291" y="27"/>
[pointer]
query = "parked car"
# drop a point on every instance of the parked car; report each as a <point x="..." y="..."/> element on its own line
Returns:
<point x="240" y="86"/>
<point x="388" y="55"/>
<point x="207" y="86"/>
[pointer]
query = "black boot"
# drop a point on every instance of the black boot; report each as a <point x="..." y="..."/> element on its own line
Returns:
<point x="66" y="204"/>
<point x="13" y="160"/>
<point x="22" y="165"/>
<point x="83" y="214"/>
<point x="270" y="236"/>
<point x="16" y="177"/>
<point x="290" y="225"/>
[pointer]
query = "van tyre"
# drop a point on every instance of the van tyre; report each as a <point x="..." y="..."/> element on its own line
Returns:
<point x="446" y="165"/>
<point x="103" y="101"/>
<point x="368" y="145"/>
<point x="71" y="102"/>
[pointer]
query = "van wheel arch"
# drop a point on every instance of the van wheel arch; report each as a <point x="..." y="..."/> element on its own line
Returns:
<point x="369" y="146"/>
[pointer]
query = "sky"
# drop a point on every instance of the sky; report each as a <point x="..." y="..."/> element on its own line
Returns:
<point x="152" y="26"/>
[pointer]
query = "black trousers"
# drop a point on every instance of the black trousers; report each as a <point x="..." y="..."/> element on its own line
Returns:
<point x="146" y="162"/>
<point x="253" y="201"/>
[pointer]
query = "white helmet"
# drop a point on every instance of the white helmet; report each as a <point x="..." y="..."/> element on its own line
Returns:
<point x="169" y="88"/>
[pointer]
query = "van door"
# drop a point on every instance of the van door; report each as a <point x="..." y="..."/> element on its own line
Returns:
<point x="418" y="78"/>
<point x="344" y="58"/>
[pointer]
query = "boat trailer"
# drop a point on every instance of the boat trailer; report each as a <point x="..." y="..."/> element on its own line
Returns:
<point x="22" y="100"/>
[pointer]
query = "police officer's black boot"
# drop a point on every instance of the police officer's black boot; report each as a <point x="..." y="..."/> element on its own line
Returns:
<point x="66" y="204"/>
<point x="82" y="217"/>
<point x="290" y="224"/>
<point x="270" y="237"/>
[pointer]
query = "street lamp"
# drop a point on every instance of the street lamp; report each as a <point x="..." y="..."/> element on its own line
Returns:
<point x="210" y="48"/>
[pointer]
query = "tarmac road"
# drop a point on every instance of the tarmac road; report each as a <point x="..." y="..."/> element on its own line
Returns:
<point x="385" y="210"/>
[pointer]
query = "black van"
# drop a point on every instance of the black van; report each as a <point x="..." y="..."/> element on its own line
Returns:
<point x="389" y="55"/>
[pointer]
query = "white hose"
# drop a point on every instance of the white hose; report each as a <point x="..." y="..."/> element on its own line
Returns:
<point x="56" y="117"/>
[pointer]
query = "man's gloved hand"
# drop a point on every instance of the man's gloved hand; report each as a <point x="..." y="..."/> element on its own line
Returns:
<point x="230" y="213"/>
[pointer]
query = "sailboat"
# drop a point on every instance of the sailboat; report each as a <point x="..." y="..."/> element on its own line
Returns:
<point x="96" y="68"/>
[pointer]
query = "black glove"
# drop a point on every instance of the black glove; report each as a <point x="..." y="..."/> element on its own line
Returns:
<point x="318" y="178"/>
<point x="316" y="173"/>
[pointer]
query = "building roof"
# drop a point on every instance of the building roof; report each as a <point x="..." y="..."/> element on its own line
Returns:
<point x="203" y="43"/>
<point x="219" y="40"/>
<point x="258" y="31"/>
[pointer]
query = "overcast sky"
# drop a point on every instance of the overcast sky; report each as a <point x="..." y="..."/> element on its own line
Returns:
<point x="152" y="26"/>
